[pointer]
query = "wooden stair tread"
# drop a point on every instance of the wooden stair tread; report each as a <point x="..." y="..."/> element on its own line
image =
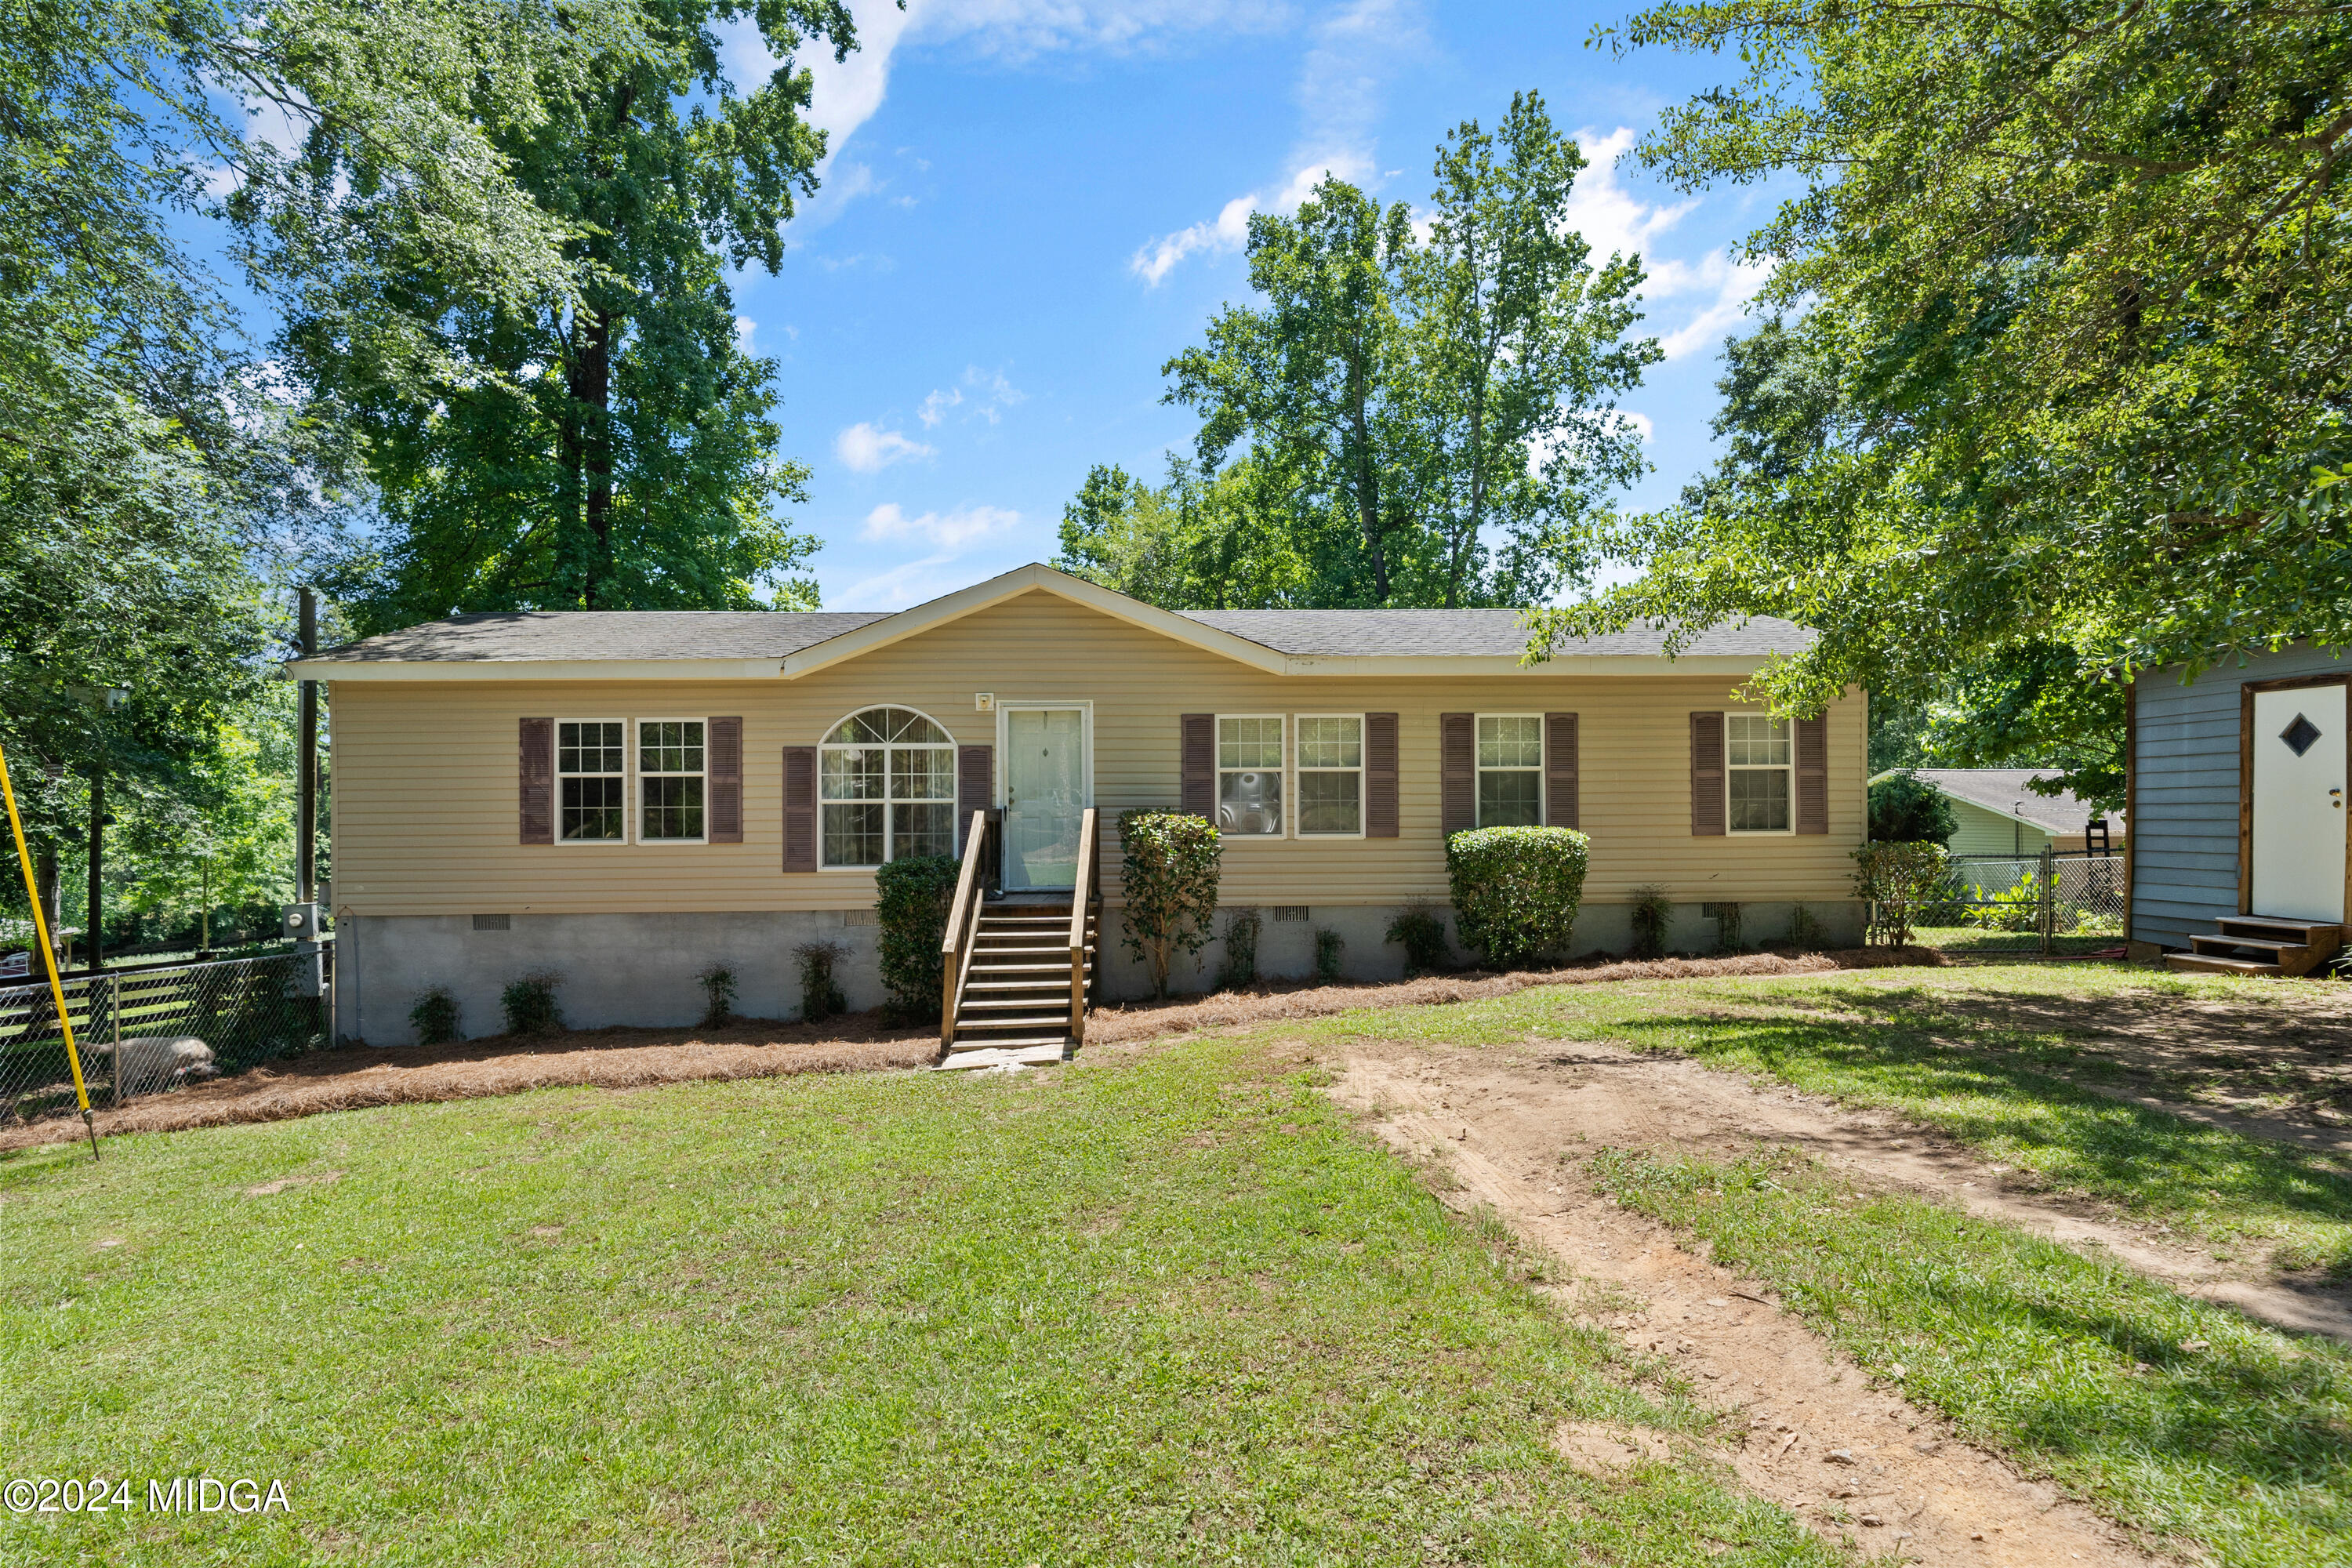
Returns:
<point x="2256" y="925"/>
<point x="2201" y="943"/>
<point x="1032" y="1019"/>
<point x="2216" y="964"/>
<point x="1064" y="950"/>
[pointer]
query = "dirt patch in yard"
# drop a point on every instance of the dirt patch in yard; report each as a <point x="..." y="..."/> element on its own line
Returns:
<point x="1512" y="1126"/>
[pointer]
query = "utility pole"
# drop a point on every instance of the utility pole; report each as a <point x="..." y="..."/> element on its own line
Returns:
<point x="306" y="829"/>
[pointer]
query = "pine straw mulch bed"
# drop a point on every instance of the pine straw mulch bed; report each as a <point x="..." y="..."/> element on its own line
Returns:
<point x="358" y="1077"/>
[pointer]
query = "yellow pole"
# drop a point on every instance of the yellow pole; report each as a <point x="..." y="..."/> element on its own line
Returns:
<point x="48" y="953"/>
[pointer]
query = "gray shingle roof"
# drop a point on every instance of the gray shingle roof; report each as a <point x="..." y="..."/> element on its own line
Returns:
<point x="611" y="634"/>
<point x="1476" y="633"/>
<point x="2004" y="789"/>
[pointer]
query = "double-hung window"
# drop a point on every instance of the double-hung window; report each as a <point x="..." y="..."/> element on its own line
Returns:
<point x="1249" y="775"/>
<point x="1510" y="770"/>
<point x="591" y="782"/>
<point x="1759" y="753"/>
<point x="888" y="788"/>
<point x="1330" y="775"/>
<point x="670" y="781"/>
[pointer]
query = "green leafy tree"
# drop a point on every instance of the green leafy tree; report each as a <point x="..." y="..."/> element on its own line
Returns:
<point x="2070" y="389"/>
<point x="1228" y="540"/>
<point x="1907" y="809"/>
<point x="609" y="445"/>
<point x="1423" y="399"/>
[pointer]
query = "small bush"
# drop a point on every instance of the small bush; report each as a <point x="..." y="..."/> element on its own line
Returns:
<point x="1516" y="889"/>
<point x="1240" y="968"/>
<point x="1170" y="875"/>
<point x="1330" y="953"/>
<point x="2017" y="909"/>
<point x="1653" y="919"/>
<point x="1422" y="931"/>
<point x="1805" y="933"/>
<point x="821" y="997"/>
<point x="912" y="895"/>
<point x="1899" y="883"/>
<point x="718" y="995"/>
<point x="435" y="1017"/>
<point x="1907" y="809"/>
<point x="529" y="1003"/>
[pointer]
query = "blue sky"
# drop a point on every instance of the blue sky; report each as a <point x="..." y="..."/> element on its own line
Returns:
<point x="1030" y="205"/>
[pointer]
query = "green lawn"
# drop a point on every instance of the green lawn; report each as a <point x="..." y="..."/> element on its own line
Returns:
<point x="1169" y="1310"/>
<point x="2183" y="1418"/>
<point x="1995" y="1057"/>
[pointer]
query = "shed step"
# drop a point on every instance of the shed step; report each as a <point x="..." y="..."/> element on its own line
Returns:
<point x="1062" y="951"/>
<point x="2298" y="933"/>
<point x="2210" y="964"/>
<point x="993" y="970"/>
<point x="1012" y="1020"/>
<point x="2203" y="943"/>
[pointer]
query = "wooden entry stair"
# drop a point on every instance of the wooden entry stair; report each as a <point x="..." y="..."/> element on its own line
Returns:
<point x="1018" y="971"/>
<point x="2259" y="944"/>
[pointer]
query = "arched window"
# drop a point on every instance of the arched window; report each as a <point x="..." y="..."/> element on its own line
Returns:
<point x="888" y="788"/>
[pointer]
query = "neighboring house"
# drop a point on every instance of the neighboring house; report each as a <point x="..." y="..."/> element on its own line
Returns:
<point x="2237" y="801"/>
<point x="1998" y="814"/>
<point x="624" y="798"/>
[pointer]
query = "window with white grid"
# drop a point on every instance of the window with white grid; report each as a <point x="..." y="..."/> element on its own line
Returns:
<point x="1510" y="770"/>
<point x="1759" y="762"/>
<point x="1249" y="774"/>
<point x="592" y="760"/>
<point x="670" y="781"/>
<point x="1330" y="775"/>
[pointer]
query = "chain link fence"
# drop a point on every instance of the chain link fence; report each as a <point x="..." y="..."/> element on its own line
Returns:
<point x="2049" y="902"/>
<point x="148" y="1031"/>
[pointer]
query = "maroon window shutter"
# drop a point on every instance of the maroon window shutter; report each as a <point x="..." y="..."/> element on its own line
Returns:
<point x="1560" y="770"/>
<point x="1706" y="775"/>
<point x="799" y="808"/>
<point x="1813" y="774"/>
<point x="1457" y="805"/>
<point x="975" y="786"/>
<point x="1197" y="748"/>
<point x="723" y="781"/>
<point x="1379" y="775"/>
<point x="539" y="780"/>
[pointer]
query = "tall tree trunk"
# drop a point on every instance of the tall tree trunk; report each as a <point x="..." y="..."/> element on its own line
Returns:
<point x="1368" y="483"/>
<point x="593" y="390"/>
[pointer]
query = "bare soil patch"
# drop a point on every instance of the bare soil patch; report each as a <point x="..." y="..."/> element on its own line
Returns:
<point x="352" y="1079"/>
<point x="1858" y="1463"/>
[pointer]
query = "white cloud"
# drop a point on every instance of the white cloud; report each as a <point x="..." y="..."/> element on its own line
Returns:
<point x="1342" y="83"/>
<point x="744" y="327"/>
<point x="948" y="531"/>
<point x="910" y="585"/>
<point x="936" y="403"/>
<point x="1615" y="221"/>
<point x="1644" y="426"/>
<point x="867" y="449"/>
<point x="987" y="391"/>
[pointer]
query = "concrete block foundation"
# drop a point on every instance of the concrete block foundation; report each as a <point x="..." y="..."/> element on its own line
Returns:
<point x="640" y="969"/>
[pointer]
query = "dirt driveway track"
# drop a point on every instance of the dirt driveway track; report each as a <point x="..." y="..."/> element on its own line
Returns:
<point x="1856" y="1462"/>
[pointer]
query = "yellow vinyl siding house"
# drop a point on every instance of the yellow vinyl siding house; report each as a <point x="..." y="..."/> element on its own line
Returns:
<point x="512" y="790"/>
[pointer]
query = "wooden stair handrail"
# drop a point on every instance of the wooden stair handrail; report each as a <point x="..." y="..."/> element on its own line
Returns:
<point x="1082" y="892"/>
<point x="963" y="915"/>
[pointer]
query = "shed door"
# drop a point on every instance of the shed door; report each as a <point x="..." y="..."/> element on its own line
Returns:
<point x="2299" y="812"/>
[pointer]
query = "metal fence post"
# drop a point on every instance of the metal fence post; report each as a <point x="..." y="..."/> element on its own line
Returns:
<point x="114" y="1013"/>
<point x="2049" y="900"/>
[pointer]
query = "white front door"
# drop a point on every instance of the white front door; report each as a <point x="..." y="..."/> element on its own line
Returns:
<point x="2299" y="811"/>
<point x="1044" y="795"/>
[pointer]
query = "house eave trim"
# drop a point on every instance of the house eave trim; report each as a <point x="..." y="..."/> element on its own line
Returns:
<point x="436" y="669"/>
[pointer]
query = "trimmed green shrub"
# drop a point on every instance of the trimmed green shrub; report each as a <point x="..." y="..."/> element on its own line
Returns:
<point x="718" y="995"/>
<point x="529" y="1003"/>
<point x="911" y="898"/>
<point x="1516" y="889"/>
<point x="1240" y="968"/>
<point x="1169" y="878"/>
<point x="435" y="1017"/>
<point x="1898" y="881"/>
<point x="821" y="997"/>
<point x="1907" y="809"/>
<point x="1330" y="951"/>
<point x="1422" y="931"/>
<point x="1653" y="919"/>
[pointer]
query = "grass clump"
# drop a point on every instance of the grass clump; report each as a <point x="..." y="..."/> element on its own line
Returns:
<point x="1169" y="1310"/>
<point x="2181" y="1417"/>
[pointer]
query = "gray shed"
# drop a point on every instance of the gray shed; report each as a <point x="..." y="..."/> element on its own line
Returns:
<point x="2236" y="797"/>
